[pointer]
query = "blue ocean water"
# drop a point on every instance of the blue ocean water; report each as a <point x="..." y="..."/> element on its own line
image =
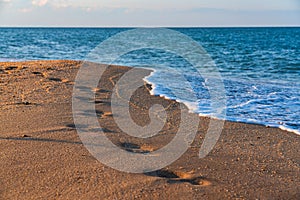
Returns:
<point x="260" y="67"/>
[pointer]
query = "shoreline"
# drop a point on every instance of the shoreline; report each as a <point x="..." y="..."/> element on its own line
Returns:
<point x="192" y="110"/>
<point x="246" y="121"/>
<point x="190" y="107"/>
<point x="43" y="157"/>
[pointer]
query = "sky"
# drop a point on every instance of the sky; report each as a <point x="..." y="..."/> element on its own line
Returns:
<point x="149" y="13"/>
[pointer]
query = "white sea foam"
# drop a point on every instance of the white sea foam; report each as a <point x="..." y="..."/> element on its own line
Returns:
<point x="10" y="60"/>
<point x="193" y="108"/>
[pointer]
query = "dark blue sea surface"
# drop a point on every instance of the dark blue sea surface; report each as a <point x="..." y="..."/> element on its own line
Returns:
<point x="260" y="67"/>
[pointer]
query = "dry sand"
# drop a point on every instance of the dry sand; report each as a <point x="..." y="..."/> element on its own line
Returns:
<point x="42" y="157"/>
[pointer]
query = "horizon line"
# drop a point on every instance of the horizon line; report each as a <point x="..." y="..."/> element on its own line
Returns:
<point x="221" y="26"/>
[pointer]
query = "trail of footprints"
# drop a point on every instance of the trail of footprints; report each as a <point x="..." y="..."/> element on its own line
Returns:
<point x="45" y="75"/>
<point x="171" y="176"/>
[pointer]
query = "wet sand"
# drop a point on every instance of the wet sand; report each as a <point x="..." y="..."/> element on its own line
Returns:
<point x="42" y="157"/>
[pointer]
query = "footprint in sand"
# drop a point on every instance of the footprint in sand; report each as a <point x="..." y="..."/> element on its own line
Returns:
<point x="11" y="68"/>
<point x="99" y="90"/>
<point x="7" y="70"/>
<point x="181" y="177"/>
<point x="101" y="102"/>
<point x="73" y="126"/>
<point x="60" y="80"/>
<point x="135" y="148"/>
<point x="65" y="81"/>
<point x="25" y="103"/>
<point x="106" y="114"/>
<point x="100" y="114"/>
<point x="55" y="79"/>
<point x="38" y="73"/>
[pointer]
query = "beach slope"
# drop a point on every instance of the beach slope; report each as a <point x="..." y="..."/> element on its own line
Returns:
<point x="42" y="157"/>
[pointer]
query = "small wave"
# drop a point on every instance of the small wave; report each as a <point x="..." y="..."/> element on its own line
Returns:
<point x="194" y="107"/>
<point x="289" y="129"/>
<point x="10" y="60"/>
<point x="242" y="104"/>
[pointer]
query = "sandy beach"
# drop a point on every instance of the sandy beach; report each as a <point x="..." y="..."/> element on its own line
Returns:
<point x="42" y="157"/>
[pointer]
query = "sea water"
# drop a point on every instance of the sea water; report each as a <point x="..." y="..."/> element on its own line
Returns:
<point x="260" y="67"/>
